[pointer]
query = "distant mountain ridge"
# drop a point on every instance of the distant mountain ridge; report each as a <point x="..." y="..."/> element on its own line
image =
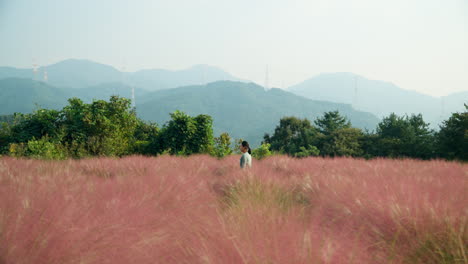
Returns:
<point x="164" y="79"/>
<point x="74" y="73"/>
<point x="244" y="110"/>
<point x="88" y="80"/>
<point x="378" y="97"/>
<point x="25" y="95"/>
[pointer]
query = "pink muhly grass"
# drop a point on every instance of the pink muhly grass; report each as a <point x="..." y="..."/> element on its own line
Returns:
<point x="203" y="210"/>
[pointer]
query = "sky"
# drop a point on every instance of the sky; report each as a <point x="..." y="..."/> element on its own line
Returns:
<point x="419" y="45"/>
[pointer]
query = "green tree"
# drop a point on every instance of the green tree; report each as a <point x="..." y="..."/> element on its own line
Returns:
<point x="343" y="142"/>
<point x="331" y="121"/>
<point x="75" y="132"/>
<point x="185" y="135"/>
<point x="146" y="138"/>
<point x="202" y="140"/>
<point x="42" y="148"/>
<point x="307" y="152"/>
<point x="405" y="136"/>
<point x="109" y="126"/>
<point x="291" y="134"/>
<point x="5" y="137"/>
<point x="40" y="123"/>
<point x="100" y="128"/>
<point x="222" y="145"/>
<point x="262" y="151"/>
<point x="369" y="145"/>
<point x="337" y="137"/>
<point x="453" y="136"/>
<point x="177" y="133"/>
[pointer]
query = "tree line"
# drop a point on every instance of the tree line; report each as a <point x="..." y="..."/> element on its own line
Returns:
<point x="395" y="137"/>
<point x="111" y="128"/>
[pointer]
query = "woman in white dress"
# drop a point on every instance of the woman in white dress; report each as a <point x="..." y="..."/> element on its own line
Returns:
<point x="246" y="159"/>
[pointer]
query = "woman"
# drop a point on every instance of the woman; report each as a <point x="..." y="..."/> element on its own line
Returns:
<point x="246" y="159"/>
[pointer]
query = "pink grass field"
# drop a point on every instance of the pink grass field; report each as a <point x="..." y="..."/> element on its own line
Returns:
<point x="203" y="210"/>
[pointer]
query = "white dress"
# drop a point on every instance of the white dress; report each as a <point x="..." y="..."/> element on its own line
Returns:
<point x="246" y="160"/>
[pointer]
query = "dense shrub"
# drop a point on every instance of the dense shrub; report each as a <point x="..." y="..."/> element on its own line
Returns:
<point x="42" y="148"/>
<point x="262" y="151"/>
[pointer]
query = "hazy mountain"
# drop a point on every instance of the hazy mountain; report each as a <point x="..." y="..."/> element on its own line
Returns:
<point x="80" y="73"/>
<point x="163" y="79"/>
<point x="73" y="73"/>
<point x="245" y="110"/>
<point x="105" y="90"/>
<point x="25" y="95"/>
<point x="10" y="72"/>
<point x="69" y="73"/>
<point x="454" y="102"/>
<point x="377" y="97"/>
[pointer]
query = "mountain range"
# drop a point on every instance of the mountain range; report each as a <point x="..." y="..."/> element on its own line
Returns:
<point x="378" y="97"/>
<point x="231" y="101"/>
<point x="73" y="73"/>
<point x="244" y="110"/>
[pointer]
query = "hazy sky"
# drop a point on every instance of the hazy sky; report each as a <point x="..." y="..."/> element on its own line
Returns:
<point x="417" y="44"/>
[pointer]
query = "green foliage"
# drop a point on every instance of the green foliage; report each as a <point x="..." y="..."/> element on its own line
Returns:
<point x="146" y="138"/>
<point x="6" y="122"/>
<point x="331" y="121"/>
<point x="145" y="130"/>
<point x="102" y="128"/>
<point x="369" y="145"/>
<point x="73" y="116"/>
<point x="42" y="122"/>
<point x="42" y="148"/>
<point x="111" y="128"/>
<point x="453" y="136"/>
<point x="203" y="141"/>
<point x="333" y="137"/>
<point x="178" y="132"/>
<point x="337" y="137"/>
<point x="406" y="136"/>
<point x="291" y="134"/>
<point x="222" y="145"/>
<point x="262" y="152"/>
<point x="185" y="135"/>
<point x="307" y="151"/>
<point x="78" y="130"/>
<point x="5" y="137"/>
<point x="343" y="142"/>
<point x="18" y="150"/>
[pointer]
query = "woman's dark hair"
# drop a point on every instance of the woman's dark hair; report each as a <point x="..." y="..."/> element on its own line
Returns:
<point x="245" y="144"/>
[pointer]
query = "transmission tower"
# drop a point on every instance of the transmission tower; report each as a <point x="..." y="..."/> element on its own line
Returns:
<point x="355" y="98"/>
<point x="133" y="100"/>
<point x="442" y="108"/>
<point x="35" y="69"/>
